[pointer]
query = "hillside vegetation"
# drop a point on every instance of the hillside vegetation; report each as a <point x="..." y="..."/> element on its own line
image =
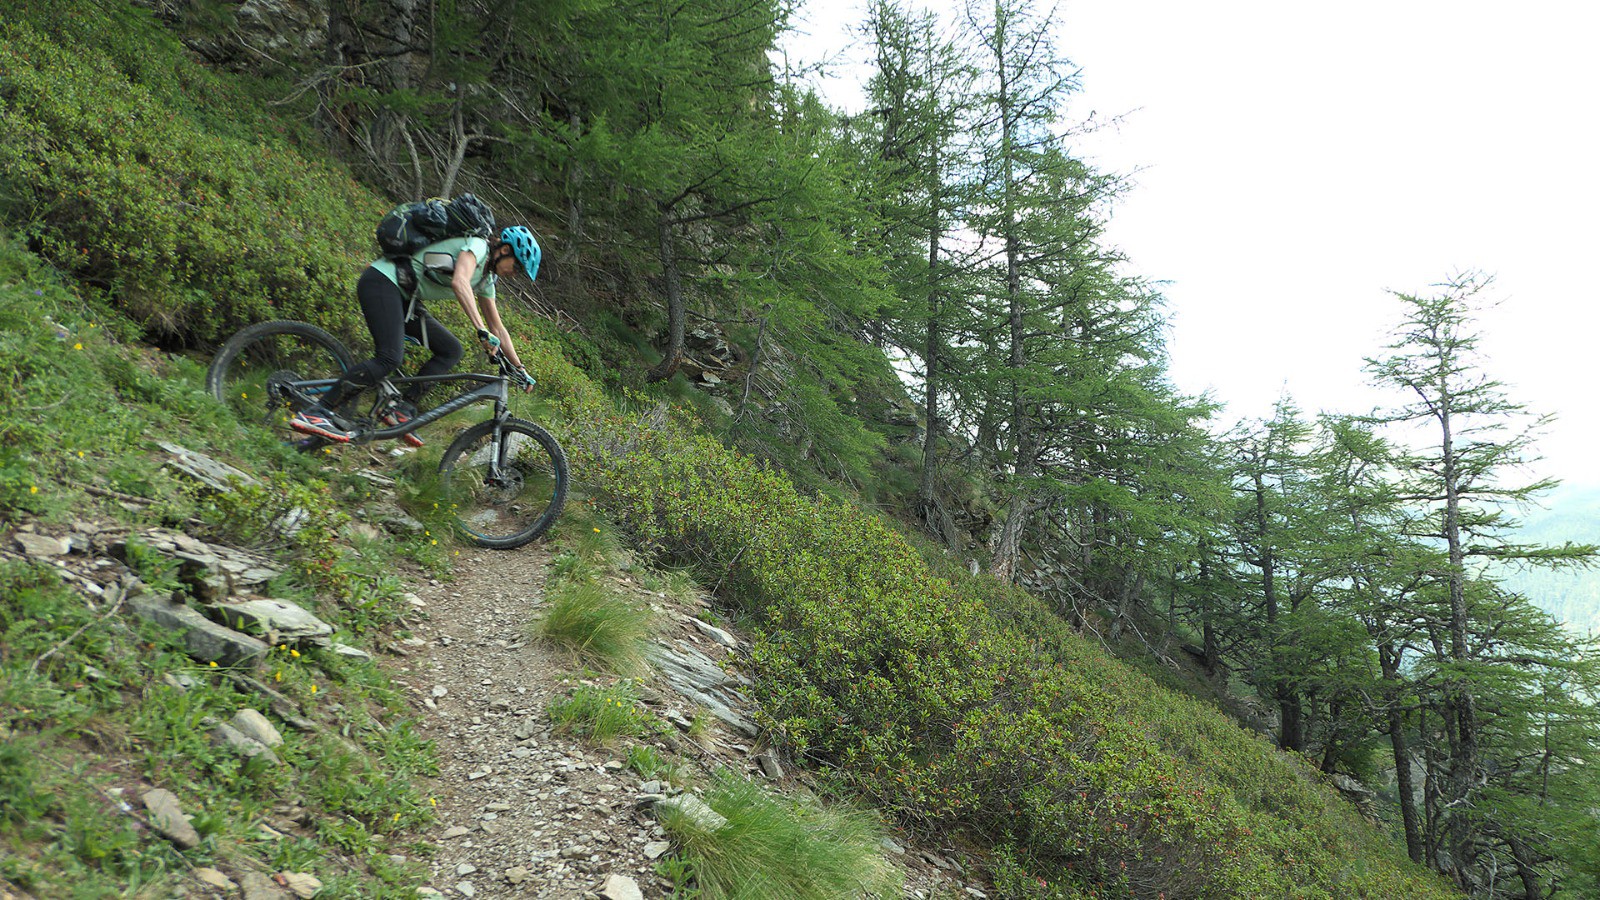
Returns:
<point x="149" y="199"/>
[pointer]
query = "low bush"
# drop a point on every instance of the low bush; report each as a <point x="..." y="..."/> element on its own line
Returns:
<point x="120" y="181"/>
<point x="961" y="705"/>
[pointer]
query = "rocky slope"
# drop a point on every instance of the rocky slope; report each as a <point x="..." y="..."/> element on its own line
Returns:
<point x="524" y="809"/>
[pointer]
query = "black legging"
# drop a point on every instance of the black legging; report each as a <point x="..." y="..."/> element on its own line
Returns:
<point x="385" y="310"/>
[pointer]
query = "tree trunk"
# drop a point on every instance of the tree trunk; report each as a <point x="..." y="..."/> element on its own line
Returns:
<point x="1527" y="869"/>
<point x="575" y="221"/>
<point x="671" y="283"/>
<point x="1389" y="663"/>
<point x="1007" y="550"/>
<point x="933" y="360"/>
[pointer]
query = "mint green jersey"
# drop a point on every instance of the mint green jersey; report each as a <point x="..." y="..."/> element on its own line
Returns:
<point x="434" y="264"/>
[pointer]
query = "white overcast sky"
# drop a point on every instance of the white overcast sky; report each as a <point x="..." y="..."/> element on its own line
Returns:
<point x="1297" y="161"/>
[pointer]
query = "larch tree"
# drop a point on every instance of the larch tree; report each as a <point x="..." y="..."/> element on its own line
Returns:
<point x="1462" y="441"/>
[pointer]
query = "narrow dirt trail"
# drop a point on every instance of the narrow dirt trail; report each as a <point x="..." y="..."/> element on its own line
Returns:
<point x="522" y="812"/>
<point x="526" y="812"/>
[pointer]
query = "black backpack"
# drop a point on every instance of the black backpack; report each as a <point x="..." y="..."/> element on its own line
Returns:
<point x="411" y="226"/>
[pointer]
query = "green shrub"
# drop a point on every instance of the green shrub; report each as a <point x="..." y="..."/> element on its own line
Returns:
<point x="191" y="231"/>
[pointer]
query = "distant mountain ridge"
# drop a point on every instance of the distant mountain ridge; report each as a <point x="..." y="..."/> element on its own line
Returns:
<point x="1571" y="595"/>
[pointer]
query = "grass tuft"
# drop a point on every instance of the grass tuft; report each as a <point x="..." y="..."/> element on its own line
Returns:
<point x="604" y="630"/>
<point x="601" y="715"/>
<point x="771" y="849"/>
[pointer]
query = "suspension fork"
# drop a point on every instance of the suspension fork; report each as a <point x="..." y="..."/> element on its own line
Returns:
<point x="497" y="442"/>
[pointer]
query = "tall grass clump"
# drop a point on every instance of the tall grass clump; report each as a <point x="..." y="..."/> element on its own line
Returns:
<point x="601" y="628"/>
<point x="773" y="849"/>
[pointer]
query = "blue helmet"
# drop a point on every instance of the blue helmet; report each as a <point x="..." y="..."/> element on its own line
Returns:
<point x="524" y="248"/>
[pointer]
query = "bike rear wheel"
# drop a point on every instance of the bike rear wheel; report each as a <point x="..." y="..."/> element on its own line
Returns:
<point x="255" y="371"/>
<point x="505" y="488"/>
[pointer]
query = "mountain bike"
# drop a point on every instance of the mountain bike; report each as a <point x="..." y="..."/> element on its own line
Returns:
<point x="505" y="479"/>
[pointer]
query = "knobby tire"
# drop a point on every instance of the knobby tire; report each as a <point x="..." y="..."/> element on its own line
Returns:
<point x="525" y="503"/>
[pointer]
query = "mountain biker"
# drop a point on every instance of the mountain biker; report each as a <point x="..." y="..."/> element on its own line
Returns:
<point x="463" y="268"/>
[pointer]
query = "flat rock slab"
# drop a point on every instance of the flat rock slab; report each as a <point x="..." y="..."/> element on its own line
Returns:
<point x="278" y="620"/>
<point x="204" y="639"/>
<point x="252" y="724"/>
<point x="693" y="674"/>
<point x="43" y="546"/>
<point x="215" y="475"/>
<point x="621" y="887"/>
<point x="717" y="634"/>
<point x="241" y="568"/>
<point x="231" y="738"/>
<point x="215" y="879"/>
<point x="694" y="810"/>
<point x="256" y="886"/>
<point x="167" y="818"/>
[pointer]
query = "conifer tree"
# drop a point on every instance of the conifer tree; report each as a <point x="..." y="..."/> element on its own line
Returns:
<point x="917" y="97"/>
<point x="1491" y="649"/>
<point x="1033" y="210"/>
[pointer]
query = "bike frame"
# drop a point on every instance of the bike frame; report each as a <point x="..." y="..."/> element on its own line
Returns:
<point x="494" y="388"/>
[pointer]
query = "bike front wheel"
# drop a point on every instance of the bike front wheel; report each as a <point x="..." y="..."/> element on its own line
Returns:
<point x="258" y="373"/>
<point x="506" y="484"/>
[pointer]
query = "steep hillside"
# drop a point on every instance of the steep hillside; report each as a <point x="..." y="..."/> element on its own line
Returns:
<point x="963" y="710"/>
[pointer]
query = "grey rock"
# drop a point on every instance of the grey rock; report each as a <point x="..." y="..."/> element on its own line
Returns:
<point x="281" y="620"/>
<point x="656" y="849"/>
<point x="215" y="475"/>
<point x="43" y="546"/>
<point x="231" y="738"/>
<point x="256" y="886"/>
<point x="1351" y="786"/>
<point x="203" y="561"/>
<point x="179" y="680"/>
<point x="347" y="651"/>
<point x="204" y="639"/>
<point x="768" y="761"/>
<point x="715" y="633"/>
<point x="693" y="674"/>
<point x="465" y="889"/>
<point x="693" y="810"/>
<point x="620" y="887"/>
<point x="300" y="884"/>
<point x="254" y="725"/>
<point x="394" y="521"/>
<point x="166" y="816"/>
<point x="213" y="878"/>
<point x="364" y="531"/>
